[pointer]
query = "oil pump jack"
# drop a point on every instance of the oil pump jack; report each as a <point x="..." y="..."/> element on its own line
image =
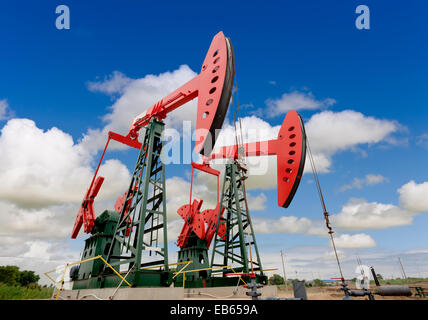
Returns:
<point x="229" y="224"/>
<point x="129" y="236"/>
<point x="133" y="237"/>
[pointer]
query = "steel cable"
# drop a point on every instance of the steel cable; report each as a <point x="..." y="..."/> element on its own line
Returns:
<point x="326" y="215"/>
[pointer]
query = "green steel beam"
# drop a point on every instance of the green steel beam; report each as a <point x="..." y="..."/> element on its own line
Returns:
<point x="238" y="224"/>
<point x="147" y="210"/>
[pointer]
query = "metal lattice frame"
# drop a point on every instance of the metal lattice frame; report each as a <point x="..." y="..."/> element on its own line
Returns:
<point x="233" y="249"/>
<point x="139" y="227"/>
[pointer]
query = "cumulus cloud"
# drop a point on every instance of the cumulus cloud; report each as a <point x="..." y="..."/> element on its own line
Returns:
<point x="44" y="177"/>
<point x="368" y="180"/>
<point x="330" y="132"/>
<point x="414" y="196"/>
<point x="296" y="101"/>
<point x="358" y="214"/>
<point x="36" y="238"/>
<point x="288" y="225"/>
<point x="174" y="229"/>
<point x="54" y="222"/>
<point x="360" y="240"/>
<point x="41" y="168"/>
<point x="256" y="203"/>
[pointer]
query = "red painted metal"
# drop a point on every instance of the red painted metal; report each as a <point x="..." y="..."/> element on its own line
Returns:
<point x="210" y="218"/>
<point x="125" y="140"/>
<point x="118" y="206"/>
<point x="290" y="149"/>
<point x="251" y="274"/>
<point x="213" y="87"/>
<point x="86" y="215"/>
<point x="206" y="168"/>
<point x="193" y="221"/>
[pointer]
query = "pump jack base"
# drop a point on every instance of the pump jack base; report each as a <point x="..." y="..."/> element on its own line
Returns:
<point x="171" y="293"/>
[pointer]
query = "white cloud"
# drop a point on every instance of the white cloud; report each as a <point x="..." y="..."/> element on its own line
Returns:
<point x="414" y="196"/>
<point x="359" y="214"/>
<point x="372" y="179"/>
<point x="288" y="225"/>
<point x="330" y="132"/>
<point x="44" y="177"/>
<point x="5" y="111"/>
<point x="112" y="84"/>
<point x="52" y="222"/>
<point x="360" y="240"/>
<point x="296" y="101"/>
<point x="174" y="229"/>
<point x="41" y="168"/>
<point x="331" y="256"/>
<point x="368" y="180"/>
<point x="256" y="203"/>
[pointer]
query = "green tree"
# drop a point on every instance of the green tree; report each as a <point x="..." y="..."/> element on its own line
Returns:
<point x="9" y="275"/>
<point x="379" y="276"/>
<point x="318" y="283"/>
<point x="276" y="279"/>
<point x="27" y="277"/>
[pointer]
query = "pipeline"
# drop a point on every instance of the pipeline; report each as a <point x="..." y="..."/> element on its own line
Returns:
<point x="393" y="290"/>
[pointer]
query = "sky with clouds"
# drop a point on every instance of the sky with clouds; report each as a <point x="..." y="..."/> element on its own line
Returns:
<point x="361" y="93"/>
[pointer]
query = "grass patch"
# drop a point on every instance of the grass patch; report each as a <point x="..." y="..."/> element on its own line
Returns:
<point x="21" y="293"/>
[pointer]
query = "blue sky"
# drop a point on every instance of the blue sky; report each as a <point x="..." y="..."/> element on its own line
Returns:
<point x="309" y="47"/>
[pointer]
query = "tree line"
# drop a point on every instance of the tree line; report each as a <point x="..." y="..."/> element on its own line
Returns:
<point x="12" y="276"/>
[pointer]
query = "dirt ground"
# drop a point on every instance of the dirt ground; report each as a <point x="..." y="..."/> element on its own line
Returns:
<point x="334" y="293"/>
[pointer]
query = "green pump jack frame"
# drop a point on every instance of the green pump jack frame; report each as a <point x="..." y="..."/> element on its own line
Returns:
<point x="145" y="222"/>
<point x="233" y="249"/>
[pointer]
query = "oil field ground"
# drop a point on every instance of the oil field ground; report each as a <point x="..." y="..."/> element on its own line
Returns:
<point x="333" y="292"/>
